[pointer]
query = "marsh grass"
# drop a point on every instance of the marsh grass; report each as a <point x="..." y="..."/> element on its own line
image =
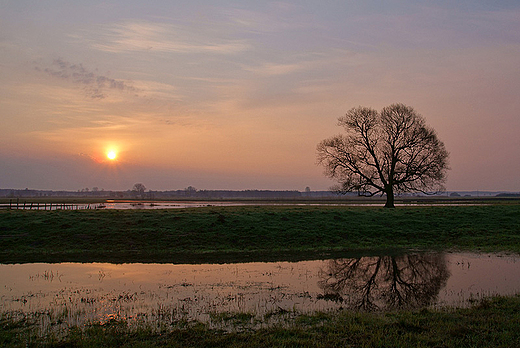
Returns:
<point x="492" y="322"/>
<point x="251" y="233"/>
<point x="236" y="320"/>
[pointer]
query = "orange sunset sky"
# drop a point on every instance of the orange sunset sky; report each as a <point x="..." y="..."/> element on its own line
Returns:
<point x="237" y="94"/>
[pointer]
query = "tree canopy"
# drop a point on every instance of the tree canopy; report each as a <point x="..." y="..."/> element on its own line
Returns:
<point x="139" y="188"/>
<point x="386" y="152"/>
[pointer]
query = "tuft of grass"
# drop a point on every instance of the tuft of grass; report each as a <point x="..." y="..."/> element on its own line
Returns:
<point x="236" y="319"/>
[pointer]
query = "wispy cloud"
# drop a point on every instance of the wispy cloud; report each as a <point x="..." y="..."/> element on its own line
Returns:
<point x="99" y="86"/>
<point x="95" y="84"/>
<point x="142" y="35"/>
<point x="276" y="17"/>
<point x="272" y="69"/>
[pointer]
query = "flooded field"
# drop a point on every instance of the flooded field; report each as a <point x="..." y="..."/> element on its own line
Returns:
<point x="150" y="205"/>
<point x="80" y="293"/>
<point x="198" y="204"/>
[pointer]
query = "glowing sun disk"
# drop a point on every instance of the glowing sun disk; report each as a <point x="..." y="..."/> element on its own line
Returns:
<point x="111" y="155"/>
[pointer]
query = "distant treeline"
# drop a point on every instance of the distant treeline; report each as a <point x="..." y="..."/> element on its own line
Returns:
<point x="190" y="192"/>
<point x="216" y="194"/>
<point x="508" y="194"/>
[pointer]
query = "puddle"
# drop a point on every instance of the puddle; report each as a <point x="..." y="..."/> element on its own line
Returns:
<point x="79" y="293"/>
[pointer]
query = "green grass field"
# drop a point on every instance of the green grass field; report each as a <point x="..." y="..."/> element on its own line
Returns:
<point x="262" y="233"/>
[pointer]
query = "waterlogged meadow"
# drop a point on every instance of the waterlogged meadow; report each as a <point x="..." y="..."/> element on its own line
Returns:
<point x="76" y="294"/>
<point x="261" y="276"/>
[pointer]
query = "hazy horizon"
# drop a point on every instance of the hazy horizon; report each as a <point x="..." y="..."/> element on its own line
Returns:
<point x="236" y="95"/>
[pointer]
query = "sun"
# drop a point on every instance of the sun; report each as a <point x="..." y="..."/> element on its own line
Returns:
<point x="111" y="155"/>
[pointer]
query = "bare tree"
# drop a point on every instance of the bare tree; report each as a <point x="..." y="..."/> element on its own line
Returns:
<point x="139" y="189"/>
<point x="387" y="152"/>
<point x="190" y="191"/>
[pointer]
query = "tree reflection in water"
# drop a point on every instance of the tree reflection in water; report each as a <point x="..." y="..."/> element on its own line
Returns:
<point x="385" y="282"/>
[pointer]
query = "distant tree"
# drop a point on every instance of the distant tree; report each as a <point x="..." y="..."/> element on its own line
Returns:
<point x="385" y="152"/>
<point x="190" y="190"/>
<point x="139" y="189"/>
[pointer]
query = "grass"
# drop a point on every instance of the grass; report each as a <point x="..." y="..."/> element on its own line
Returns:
<point x="249" y="233"/>
<point x="490" y="323"/>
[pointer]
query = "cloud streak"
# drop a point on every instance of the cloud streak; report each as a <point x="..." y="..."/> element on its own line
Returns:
<point x="95" y="84"/>
<point x="130" y="36"/>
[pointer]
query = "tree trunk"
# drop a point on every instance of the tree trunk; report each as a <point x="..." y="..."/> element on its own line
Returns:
<point x="390" y="197"/>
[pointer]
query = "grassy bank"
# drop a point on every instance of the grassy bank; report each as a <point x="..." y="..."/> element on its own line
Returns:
<point x="491" y="323"/>
<point x="251" y="232"/>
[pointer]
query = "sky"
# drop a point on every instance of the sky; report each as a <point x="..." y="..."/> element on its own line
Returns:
<point x="237" y="94"/>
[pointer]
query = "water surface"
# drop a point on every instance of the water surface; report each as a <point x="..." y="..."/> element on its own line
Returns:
<point x="197" y="204"/>
<point x="100" y="291"/>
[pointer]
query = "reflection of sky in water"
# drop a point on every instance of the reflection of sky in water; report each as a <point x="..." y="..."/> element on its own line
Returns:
<point x="100" y="291"/>
<point x="474" y="276"/>
<point x="140" y="205"/>
<point x="169" y="205"/>
<point x="197" y="204"/>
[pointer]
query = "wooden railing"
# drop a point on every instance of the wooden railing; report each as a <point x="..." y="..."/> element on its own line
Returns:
<point x="46" y="206"/>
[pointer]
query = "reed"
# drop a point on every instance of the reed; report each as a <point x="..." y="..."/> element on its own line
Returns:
<point x="492" y="322"/>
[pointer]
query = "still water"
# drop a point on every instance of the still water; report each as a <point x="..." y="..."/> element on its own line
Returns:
<point x="80" y="293"/>
<point x="141" y="205"/>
